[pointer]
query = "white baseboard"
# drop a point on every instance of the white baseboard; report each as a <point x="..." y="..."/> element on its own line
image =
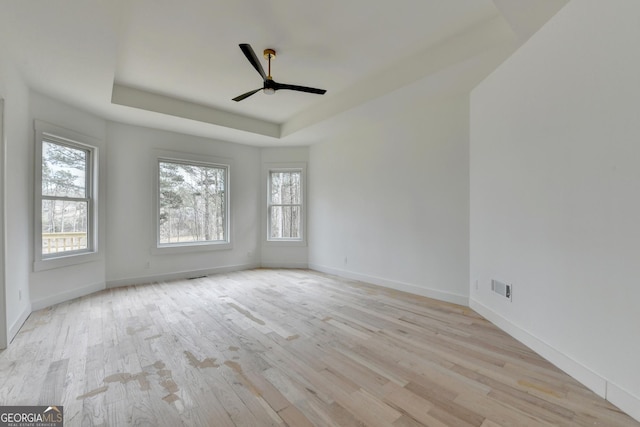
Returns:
<point x="292" y="265"/>
<point x="624" y="400"/>
<point x="138" y="280"/>
<point x="15" y="327"/>
<point x="593" y="381"/>
<point x="66" y="296"/>
<point x="399" y="286"/>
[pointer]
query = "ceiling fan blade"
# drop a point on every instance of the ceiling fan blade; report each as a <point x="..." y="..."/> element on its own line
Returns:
<point x="278" y="86"/>
<point x="246" y="95"/>
<point x="253" y="59"/>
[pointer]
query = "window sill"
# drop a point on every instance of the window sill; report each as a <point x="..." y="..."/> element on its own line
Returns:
<point x="190" y="248"/>
<point x="285" y="242"/>
<point x="65" y="261"/>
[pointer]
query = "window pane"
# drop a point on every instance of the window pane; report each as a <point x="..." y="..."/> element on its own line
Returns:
<point x="192" y="202"/>
<point x="285" y="222"/>
<point x="63" y="170"/>
<point x="64" y="226"/>
<point x="285" y="188"/>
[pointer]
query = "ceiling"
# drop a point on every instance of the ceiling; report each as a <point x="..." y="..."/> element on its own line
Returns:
<point x="176" y="65"/>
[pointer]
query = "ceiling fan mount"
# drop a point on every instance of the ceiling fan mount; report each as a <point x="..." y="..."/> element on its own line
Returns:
<point x="269" y="86"/>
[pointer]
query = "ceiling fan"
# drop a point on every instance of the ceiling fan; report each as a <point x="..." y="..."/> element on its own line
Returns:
<point x="269" y="85"/>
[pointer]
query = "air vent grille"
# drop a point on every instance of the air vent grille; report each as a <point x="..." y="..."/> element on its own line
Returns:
<point x="502" y="289"/>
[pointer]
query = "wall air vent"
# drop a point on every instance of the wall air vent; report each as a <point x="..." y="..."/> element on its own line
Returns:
<point x="502" y="289"/>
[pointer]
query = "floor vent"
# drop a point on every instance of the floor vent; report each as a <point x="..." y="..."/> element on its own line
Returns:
<point x="501" y="289"/>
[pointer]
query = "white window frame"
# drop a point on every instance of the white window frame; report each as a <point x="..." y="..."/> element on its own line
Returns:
<point x="286" y="167"/>
<point x="194" y="160"/>
<point x="58" y="135"/>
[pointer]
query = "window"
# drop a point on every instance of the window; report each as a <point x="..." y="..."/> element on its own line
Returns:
<point x="192" y="203"/>
<point x="65" y="189"/>
<point x="284" y="205"/>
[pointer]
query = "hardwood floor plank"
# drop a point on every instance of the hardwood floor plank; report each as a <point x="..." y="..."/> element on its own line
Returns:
<point x="285" y="348"/>
<point x="404" y="401"/>
<point x="53" y="384"/>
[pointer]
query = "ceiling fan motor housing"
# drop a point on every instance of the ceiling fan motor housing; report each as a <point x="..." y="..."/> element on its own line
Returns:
<point x="269" y="86"/>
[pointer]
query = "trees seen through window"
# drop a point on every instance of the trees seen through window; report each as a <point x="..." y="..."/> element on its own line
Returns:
<point x="65" y="198"/>
<point x="192" y="203"/>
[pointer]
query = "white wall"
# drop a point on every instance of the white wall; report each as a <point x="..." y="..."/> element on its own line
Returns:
<point x="3" y="306"/>
<point x="555" y="195"/>
<point x="281" y="254"/>
<point x="17" y="191"/>
<point x="61" y="284"/>
<point x="131" y="234"/>
<point x="389" y="201"/>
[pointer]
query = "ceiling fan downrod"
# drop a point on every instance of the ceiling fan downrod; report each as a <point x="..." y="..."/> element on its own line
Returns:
<point x="268" y="54"/>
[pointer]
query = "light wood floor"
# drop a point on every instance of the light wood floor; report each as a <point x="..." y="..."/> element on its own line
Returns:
<point x="281" y="347"/>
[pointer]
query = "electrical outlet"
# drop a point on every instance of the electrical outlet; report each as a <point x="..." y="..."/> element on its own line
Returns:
<point x="20" y="294"/>
<point x="345" y="260"/>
